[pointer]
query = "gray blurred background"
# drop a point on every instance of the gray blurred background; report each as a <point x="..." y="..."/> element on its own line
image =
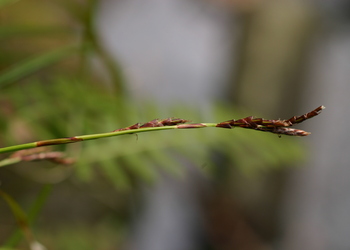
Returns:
<point x="273" y="57"/>
<point x="269" y="58"/>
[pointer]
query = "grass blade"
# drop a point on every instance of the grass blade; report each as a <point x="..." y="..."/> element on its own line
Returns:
<point x="31" y="65"/>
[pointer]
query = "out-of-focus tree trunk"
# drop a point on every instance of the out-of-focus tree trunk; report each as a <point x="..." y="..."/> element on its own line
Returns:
<point x="163" y="65"/>
<point x="318" y="203"/>
<point x="272" y="52"/>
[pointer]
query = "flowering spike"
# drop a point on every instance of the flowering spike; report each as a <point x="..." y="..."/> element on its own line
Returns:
<point x="155" y="123"/>
<point x="273" y="126"/>
<point x="299" y="119"/>
<point x="280" y="127"/>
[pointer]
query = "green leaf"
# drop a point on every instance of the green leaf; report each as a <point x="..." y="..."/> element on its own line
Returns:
<point x="19" y="214"/>
<point x="31" y="65"/>
<point x="32" y="214"/>
<point x="17" y="211"/>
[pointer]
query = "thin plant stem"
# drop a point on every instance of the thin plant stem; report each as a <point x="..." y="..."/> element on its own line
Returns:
<point x="90" y="137"/>
<point x="280" y="127"/>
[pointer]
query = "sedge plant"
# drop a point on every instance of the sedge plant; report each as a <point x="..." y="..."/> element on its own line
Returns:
<point x="279" y="127"/>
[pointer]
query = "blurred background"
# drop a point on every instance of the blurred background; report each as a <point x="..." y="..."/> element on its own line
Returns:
<point x="91" y="66"/>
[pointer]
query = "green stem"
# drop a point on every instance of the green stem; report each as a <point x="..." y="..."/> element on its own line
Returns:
<point x="97" y="136"/>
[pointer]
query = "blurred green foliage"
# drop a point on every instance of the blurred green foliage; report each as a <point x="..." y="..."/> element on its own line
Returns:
<point x="66" y="107"/>
<point x="69" y="99"/>
<point x="50" y="89"/>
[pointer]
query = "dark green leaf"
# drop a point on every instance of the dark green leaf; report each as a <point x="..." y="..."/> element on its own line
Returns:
<point x="32" y="65"/>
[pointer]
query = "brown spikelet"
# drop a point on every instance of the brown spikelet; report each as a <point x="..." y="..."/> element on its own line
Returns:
<point x="251" y="122"/>
<point x="284" y="131"/>
<point x="36" y="154"/>
<point x="173" y="121"/>
<point x="273" y="126"/>
<point x="155" y="123"/>
<point x="299" y="119"/>
<point x="26" y="152"/>
<point x="152" y="124"/>
<point x="135" y="126"/>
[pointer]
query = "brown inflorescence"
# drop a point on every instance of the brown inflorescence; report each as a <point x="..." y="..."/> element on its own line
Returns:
<point x="36" y="154"/>
<point x="155" y="123"/>
<point x="25" y="152"/>
<point x="279" y="127"/>
<point x="299" y="119"/>
<point x="273" y="126"/>
<point x="173" y="121"/>
<point x="284" y="131"/>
